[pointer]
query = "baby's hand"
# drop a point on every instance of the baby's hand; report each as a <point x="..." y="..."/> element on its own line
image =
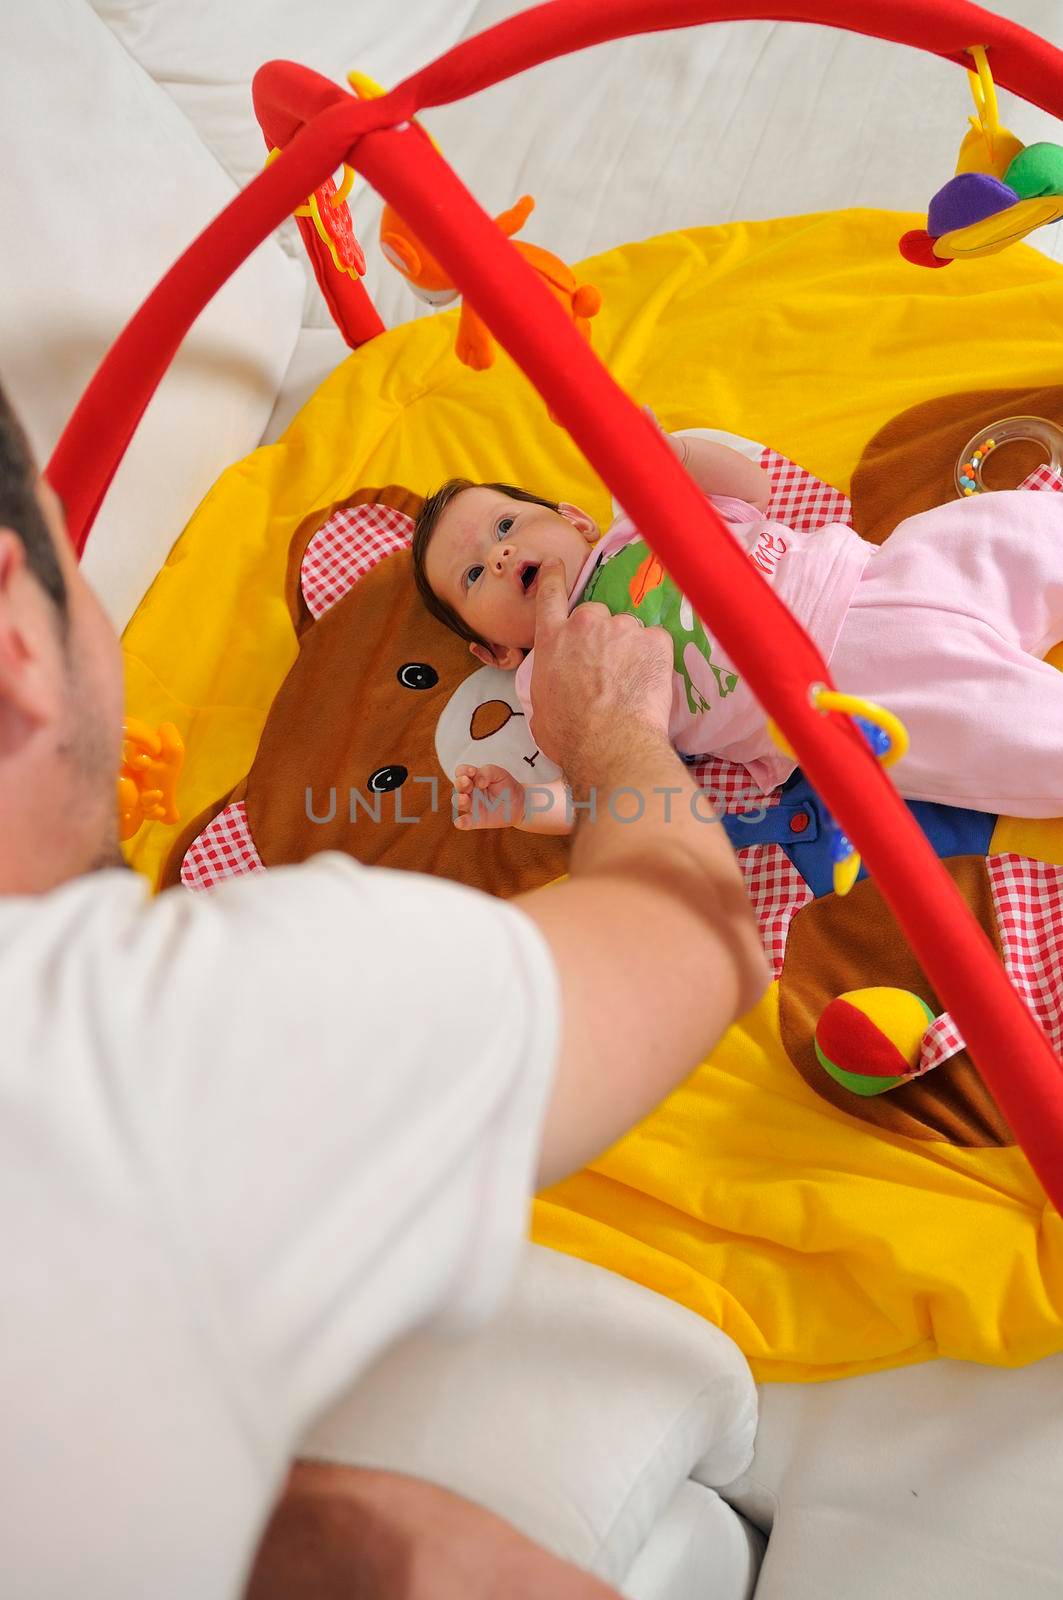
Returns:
<point x="487" y="797"/>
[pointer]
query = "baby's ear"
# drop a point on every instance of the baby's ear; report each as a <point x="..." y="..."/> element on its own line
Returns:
<point x="579" y="519"/>
<point x="505" y="657"/>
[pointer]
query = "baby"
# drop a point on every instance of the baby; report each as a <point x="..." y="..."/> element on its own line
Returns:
<point x="944" y="624"/>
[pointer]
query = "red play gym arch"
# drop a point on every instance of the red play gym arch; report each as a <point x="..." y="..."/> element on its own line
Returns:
<point x="319" y="126"/>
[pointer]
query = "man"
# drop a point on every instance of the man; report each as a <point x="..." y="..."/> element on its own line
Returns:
<point x="248" y="1139"/>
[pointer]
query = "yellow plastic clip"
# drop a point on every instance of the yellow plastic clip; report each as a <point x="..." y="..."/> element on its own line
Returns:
<point x="988" y="147"/>
<point x="984" y="95"/>
<point x="147" y="777"/>
<point x="311" y="209"/>
<point x="367" y="88"/>
<point x="824" y="699"/>
<point x="345" y="187"/>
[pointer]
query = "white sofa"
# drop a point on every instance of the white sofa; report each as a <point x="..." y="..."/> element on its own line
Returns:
<point x="611" y="1424"/>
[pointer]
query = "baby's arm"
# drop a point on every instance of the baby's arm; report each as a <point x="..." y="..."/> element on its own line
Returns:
<point x="717" y="469"/>
<point x="491" y="797"/>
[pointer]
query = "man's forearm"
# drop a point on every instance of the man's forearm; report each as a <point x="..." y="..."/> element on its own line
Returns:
<point x="638" y="798"/>
<point x="350" y="1533"/>
<point x="655" y="941"/>
<point x="646" y="817"/>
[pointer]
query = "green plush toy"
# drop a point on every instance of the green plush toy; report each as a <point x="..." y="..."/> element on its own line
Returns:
<point x="1037" y="170"/>
<point x="1002" y="189"/>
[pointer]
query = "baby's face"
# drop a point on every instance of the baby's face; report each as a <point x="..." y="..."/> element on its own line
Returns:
<point x="484" y="558"/>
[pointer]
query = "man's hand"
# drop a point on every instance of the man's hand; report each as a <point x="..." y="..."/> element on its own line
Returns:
<point x="487" y="797"/>
<point x="597" y="681"/>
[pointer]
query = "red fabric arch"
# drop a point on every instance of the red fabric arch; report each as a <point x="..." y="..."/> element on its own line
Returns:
<point x="325" y="126"/>
<point x="1022" y="62"/>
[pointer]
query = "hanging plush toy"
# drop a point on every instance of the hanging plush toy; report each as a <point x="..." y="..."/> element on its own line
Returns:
<point x="1002" y="190"/>
<point x="327" y="210"/>
<point x="475" y="345"/>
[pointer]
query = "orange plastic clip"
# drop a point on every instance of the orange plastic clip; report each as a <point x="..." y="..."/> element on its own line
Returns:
<point x="147" y="778"/>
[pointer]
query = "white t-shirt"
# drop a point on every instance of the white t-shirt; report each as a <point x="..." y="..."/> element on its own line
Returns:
<point x="246" y="1140"/>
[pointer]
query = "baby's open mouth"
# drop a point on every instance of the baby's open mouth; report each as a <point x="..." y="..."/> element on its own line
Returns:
<point x="528" y="574"/>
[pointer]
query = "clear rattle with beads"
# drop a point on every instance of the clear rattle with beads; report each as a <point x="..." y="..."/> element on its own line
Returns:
<point x="1033" y="430"/>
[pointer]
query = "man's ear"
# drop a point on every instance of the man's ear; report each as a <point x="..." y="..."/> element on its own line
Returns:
<point x="27" y="697"/>
<point x="579" y="519"/>
<point x="506" y="657"/>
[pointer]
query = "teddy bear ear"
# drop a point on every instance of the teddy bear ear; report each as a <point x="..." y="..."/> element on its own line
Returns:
<point x="401" y="254"/>
<point x="347" y="546"/>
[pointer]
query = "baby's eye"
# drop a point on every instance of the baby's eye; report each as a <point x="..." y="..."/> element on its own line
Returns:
<point x="503" y="526"/>
<point x="472" y="575"/>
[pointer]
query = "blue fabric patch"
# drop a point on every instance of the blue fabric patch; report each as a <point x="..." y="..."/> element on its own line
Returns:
<point x="952" y="831"/>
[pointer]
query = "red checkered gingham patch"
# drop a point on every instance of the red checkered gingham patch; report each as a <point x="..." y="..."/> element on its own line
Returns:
<point x="730" y="785"/>
<point x="1028" y="897"/>
<point x="224" y="849"/>
<point x="776" y="889"/>
<point x="940" y="1042"/>
<point x="1043" y="477"/>
<point x="1028" y="900"/>
<point x="777" y="892"/>
<point x="346" y="547"/>
<point x="799" y="499"/>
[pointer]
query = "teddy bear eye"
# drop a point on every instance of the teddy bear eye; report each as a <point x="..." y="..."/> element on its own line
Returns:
<point x="384" y="779"/>
<point x="417" y="675"/>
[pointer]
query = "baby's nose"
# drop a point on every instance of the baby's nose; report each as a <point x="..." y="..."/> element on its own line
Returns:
<point x="503" y="553"/>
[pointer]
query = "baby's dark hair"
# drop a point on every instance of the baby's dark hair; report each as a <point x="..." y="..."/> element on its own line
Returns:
<point x="425" y="526"/>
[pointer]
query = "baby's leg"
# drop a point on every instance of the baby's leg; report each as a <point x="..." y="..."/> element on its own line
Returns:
<point x="984" y="718"/>
<point x="996" y="557"/>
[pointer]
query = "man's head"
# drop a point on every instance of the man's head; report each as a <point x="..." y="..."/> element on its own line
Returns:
<point x="477" y="550"/>
<point x="60" y="689"/>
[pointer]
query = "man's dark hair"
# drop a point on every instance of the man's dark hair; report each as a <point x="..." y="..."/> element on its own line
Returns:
<point x="21" y="510"/>
<point x="425" y="526"/>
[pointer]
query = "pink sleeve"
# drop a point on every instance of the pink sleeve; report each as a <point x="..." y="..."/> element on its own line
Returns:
<point x="734" y="510"/>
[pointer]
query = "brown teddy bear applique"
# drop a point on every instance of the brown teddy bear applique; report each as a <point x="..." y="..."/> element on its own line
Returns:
<point x="380" y="705"/>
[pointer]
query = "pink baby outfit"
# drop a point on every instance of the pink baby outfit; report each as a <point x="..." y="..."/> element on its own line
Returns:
<point x="713" y="709"/>
<point x="944" y="624"/>
<point x="946" y="629"/>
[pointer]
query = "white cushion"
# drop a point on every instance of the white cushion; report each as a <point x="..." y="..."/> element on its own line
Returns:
<point x="102" y="185"/>
<point x="940" y="1480"/>
<point x="668" y="130"/>
<point x="626" y="140"/>
<point x="576" y="1414"/>
<point x="699" y="1549"/>
<point x="318" y="352"/>
<point x="205" y="53"/>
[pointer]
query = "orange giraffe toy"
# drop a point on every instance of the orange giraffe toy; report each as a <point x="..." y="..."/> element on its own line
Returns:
<point x="475" y="345"/>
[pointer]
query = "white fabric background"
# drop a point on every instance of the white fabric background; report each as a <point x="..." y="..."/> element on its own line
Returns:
<point x="670" y="130"/>
<point x="102" y="184"/>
